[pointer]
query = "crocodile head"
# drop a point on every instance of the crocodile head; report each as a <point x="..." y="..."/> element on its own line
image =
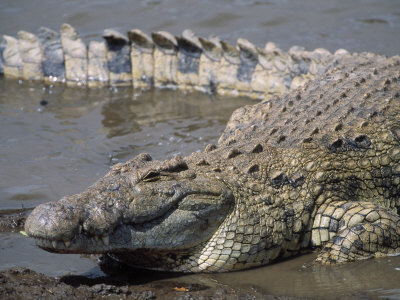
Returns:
<point x="141" y="210"/>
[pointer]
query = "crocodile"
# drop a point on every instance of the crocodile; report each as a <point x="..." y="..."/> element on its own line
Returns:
<point x="162" y="60"/>
<point x="317" y="167"/>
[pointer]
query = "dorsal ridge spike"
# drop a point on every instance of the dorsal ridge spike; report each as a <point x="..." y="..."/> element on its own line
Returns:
<point x="141" y="39"/>
<point x="257" y="149"/>
<point x="165" y="41"/>
<point x="233" y="153"/>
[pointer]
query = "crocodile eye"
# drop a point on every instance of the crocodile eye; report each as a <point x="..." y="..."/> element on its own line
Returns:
<point x="151" y="176"/>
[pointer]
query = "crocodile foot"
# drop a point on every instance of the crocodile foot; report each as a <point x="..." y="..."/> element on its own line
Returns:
<point x="371" y="231"/>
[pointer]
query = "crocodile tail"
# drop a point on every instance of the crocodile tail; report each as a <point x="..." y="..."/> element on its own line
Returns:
<point x="161" y="60"/>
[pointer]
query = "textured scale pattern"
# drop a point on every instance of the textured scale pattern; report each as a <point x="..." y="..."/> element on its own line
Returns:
<point x="318" y="166"/>
<point x="162" y="60"/>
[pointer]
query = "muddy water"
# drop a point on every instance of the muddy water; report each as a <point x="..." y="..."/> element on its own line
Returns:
<point x="357" y="25"/>
<point x="56" y="141"/>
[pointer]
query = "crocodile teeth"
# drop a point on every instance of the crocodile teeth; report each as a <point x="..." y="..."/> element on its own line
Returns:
<point x="106" y="240"/>
<point x="67" y="244"/>
<point x="54" y="244"/>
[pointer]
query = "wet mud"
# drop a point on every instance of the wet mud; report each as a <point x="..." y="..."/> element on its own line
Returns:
<point x="22" y="283"/>
<point x="13" y="220"/>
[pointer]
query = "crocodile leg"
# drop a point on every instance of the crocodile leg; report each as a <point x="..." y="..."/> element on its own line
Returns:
<point x="355" y="230"/>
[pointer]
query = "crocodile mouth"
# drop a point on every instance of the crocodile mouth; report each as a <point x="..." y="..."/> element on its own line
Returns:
<point x="202" y="216"/>
<point x="94" y="243"/>
<point x="88" y="243"/>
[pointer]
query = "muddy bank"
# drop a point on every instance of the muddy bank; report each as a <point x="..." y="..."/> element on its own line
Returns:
<point x="13" y="220"/>
<point x="21" y="283"/>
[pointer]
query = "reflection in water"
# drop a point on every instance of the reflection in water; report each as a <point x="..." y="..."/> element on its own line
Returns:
<point x="127" y="115"/>
<point x="57" y="140"/>
<point x="17" y="250"/>
<point x="301" y="277"/>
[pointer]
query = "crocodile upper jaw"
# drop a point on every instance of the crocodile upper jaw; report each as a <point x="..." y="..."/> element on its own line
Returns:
<point x="167" y="214"/>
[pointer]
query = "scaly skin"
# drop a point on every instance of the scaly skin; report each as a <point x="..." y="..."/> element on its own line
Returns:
<point x="184" y="62"/>
<point x="317" y="167"/>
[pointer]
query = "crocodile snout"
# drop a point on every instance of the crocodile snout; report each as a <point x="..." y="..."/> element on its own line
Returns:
<point x="53" y="221"/>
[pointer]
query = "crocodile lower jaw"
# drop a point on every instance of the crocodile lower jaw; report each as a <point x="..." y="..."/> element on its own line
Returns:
<point x="67" y="246"/>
